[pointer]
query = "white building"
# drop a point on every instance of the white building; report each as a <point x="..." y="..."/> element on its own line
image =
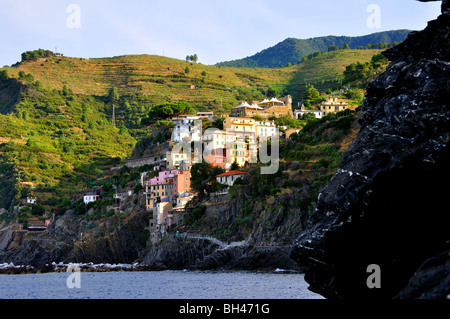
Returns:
<point x="208" y="115"/>
<point x="230" y="177"/>
<point x="182" y="201"/>
<point x="31" y="200"/>
<point x="174" y="159"/>
<point x="317" y="113"/>
<point x="90" y="197"/>
<point x="265" y="129"/>
<point x="184" y="129"/>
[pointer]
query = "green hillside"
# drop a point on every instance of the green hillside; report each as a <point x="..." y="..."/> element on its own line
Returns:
<point x="292" y="50"/>
<point x="56" y="130"/>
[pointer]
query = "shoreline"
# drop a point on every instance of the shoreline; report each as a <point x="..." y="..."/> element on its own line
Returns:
<point x="11" y="269"/>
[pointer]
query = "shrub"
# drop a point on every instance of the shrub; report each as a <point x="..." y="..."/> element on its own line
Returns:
<point x="37" y="210"/>
<point x="196" y="216"/>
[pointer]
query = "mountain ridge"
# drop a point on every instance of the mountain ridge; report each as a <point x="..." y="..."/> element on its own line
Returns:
<point x="292" y="50"/>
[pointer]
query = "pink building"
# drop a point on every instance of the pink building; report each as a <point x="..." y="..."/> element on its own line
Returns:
<point x="161" y="178"/>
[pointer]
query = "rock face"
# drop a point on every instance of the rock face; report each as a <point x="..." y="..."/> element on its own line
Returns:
<point x="388" y="202"/>
<point x="260" y="243"/>
<point x="60" y="243"/>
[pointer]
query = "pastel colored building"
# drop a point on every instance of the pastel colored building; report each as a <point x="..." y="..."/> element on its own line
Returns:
<point x="184" y="128"/>
<point x="333" y="104"/>
<point x="182" y="182"/>
<point x="217" y="160"/>
<point x="266" y="129"/>
<point x="230" y="177"/>
<point x="175" y="158"/>
<point x="160" y="179"/>
<point x="244" y="128"/>
<point x="90" y="197"/>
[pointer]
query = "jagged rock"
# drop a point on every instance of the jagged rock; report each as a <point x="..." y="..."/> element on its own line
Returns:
<point x="178" y="254"/>
<point x="430" y="280"/>
<point x="386" y="205"/>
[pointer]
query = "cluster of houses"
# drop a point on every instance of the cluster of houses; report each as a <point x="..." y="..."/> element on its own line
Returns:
<point x="332" y="104"/>
<point x="167" y="189"/>
<point x="167" y="193"/>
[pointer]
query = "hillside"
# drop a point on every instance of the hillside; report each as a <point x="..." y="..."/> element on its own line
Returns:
<point x="55" y="142"/>
<point x="56" y="131"/>
<point x="292" y="50"/>
<point x="156" y="79"/>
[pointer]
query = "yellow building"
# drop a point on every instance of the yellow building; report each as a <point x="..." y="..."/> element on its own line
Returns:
<point x="238" y="152"/>
<point x="333" y="104"/>
<point x="244" y="128"/>
<point x="245" y="147"/>
<point x="154" y="193"/>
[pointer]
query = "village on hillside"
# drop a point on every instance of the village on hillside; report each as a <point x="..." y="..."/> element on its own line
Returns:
<point x="166" y="190"/>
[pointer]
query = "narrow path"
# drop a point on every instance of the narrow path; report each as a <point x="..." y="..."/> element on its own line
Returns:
<point x="8" y="227"/>
<point x="222" y="244"/>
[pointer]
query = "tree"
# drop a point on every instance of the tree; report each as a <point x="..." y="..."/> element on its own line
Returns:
<point x="200" y="177"/>
<point x="311" y="93"/>
<point x="218" y="123"/>
<point x="272" y="92"/>
<point x="37" y="210"/>
<point x="36" y="54"/>
<point x="308" y="116"/>
<point x="113" y="95"/>
<point x="3" y="75"/>
<point x="234" y="166"/>
<point x="332" y="48"/>
<point x="187" y="70"/>
<point x="354" y="94"/>
<point x="65" y="90"/>
<point x="192" y="58"/>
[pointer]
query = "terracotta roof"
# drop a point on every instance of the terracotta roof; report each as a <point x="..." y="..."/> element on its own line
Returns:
<point x="235" y="172"/>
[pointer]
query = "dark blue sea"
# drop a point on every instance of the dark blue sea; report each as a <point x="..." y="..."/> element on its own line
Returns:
<point x="157" y="285"/>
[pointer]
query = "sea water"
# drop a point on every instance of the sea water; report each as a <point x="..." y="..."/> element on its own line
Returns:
<point x="157" y="285"/>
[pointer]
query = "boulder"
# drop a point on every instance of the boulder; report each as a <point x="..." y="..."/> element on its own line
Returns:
<point x="387" y="204"/>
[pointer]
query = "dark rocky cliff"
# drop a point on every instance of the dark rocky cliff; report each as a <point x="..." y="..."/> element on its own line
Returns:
<point x="388" y="202"/>
<point x="261" y="243"/>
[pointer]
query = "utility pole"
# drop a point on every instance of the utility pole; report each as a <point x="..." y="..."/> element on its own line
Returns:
<point x="114" y="116"/>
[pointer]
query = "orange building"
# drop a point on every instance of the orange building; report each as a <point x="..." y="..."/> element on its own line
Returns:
<point x="182" y="182"/>
<point x="217" y="160"/>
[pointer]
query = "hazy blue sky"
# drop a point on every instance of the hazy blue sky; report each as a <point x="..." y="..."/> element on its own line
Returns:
<point x="214" y="30"/>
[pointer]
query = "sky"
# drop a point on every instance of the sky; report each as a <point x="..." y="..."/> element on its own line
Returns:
<point x="215" y="30"/>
